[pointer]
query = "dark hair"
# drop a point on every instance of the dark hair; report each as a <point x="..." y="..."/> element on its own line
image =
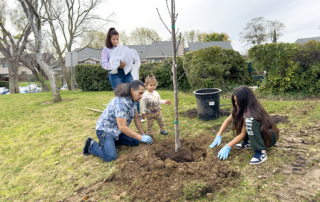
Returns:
<point x="149" y="79"/>
<point x="112" y="31"/>
<point x="250" y="106"/>
<point x="124" y="89"/>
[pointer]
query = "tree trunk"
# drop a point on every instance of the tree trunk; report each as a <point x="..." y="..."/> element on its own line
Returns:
<point x="49" y="72"/>
<point x="174" y="68"/>
<point x="66" y="72"/>
<point x="13" y="77"/>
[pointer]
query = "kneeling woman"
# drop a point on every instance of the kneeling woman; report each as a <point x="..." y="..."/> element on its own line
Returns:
<point x="251" y="123"/>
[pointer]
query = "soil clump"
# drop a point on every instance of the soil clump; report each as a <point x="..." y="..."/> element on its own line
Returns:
<point x="191" y="113"/>
<point x="279" y="119"/>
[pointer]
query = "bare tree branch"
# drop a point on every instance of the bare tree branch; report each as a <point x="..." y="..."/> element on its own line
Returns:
<point x="162" y="21"/>
<point x="168" y="8"/>
<point x="160" y="50"/>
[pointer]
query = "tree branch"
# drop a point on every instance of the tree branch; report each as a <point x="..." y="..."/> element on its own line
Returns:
<point x="162" y="21"/>
<point x="168" y="8"/>
<point x="160" y="49"/>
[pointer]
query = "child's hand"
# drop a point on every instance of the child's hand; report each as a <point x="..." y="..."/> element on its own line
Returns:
<point x="168" y="102"/>
<point x="143" y="116"/>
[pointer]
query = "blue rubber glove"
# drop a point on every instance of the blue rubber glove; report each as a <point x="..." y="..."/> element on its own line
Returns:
<point x="224" y="152"/>
<point x="216" y="142"/>
<point x="147" y="139"/>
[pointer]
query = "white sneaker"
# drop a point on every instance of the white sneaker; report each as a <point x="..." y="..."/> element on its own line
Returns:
<point x="142" y="120"/>
<point x="258" y="157"/>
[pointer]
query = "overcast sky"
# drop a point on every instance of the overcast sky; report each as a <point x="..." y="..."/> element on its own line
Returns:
<point x="301" y="17"/>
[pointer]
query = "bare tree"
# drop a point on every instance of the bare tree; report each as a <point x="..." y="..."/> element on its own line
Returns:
<point x="124" y="37"/>
<point x="71" y="19"/>
<point x="173" y="33"/>
<point x="93" y="39"/>
<point x="254" y="31"/>
<point x="29" y="60"/>
<point x="31" y="9"/>
<point x="275" y="30"/>
<point x="260" y="30"/>
<point x="140" y="36"/>
<point x="12" y="46"/>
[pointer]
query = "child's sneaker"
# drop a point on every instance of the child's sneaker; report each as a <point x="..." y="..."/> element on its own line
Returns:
<point x="164" y="132"/>
<point x="87" y="146"/>
<point x="244" y="145"/>
<point x="258" y="157"/>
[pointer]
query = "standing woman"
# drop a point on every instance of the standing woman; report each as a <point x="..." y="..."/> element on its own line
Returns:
<point x="112" y="42"/>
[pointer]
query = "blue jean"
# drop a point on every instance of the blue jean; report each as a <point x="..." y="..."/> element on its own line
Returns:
<point x="106" y="148"/>
<point x="119" y="78"/>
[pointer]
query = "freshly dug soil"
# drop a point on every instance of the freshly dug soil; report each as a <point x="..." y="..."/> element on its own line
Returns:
<point x="180" y="156"/>
<point x="193" y="113"/>
<point x="225" y="112"/>
<point x="279" y="119"/>
<point x="151" y="176"/>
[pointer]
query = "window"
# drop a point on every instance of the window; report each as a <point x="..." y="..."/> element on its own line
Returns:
<point x="5" y="65"/>
<point x="90" y="62"/>
<point x="23" y="73"/>
<point x="155" y="60"/>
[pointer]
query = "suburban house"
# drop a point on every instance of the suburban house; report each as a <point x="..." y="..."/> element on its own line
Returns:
<point x="4" y="71"/>
<point x="193" y="46"/>
<point x="305" y="40"/>
<point x="156" y="52"/>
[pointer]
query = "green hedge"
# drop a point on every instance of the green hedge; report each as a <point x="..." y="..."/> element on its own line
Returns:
<point x="91" y="77"/>
<point x="4" y="84"/>
<point x="163" y="73"/>
<point x="290" y="67"/>
<point x="215" y="67"/>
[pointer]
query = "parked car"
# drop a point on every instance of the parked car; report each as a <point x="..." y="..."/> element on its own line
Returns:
<point x="65" y="87"/>
<point x="4" y="90"/>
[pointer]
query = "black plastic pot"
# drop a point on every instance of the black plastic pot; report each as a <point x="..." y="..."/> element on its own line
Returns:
<point x="208" y="103"/>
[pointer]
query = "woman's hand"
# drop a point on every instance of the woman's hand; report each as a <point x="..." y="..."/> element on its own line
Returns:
<point x="122" y="64"/>
<point x="168" y="102"/>
<point x="143" y="116"/>
<point x="216" y="142"/>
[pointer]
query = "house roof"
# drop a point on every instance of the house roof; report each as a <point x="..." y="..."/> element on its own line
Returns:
<point x="305" y="40"/>
<point x="165" y="46"/>
<point x="93" y="53"/>
<point x="142" y="50"/>
<point x="193" y="46"/>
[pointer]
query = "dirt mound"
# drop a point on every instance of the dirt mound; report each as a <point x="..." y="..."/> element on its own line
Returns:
<point x="193" y="113"/>
<point x="149" y="178"/>
<point x="279" y="119"/>
<point x="225" y="112"/>
<point x="180" y="156"/>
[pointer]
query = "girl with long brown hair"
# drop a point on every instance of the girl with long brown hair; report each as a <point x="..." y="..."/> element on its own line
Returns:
<point x="251" y="123"/>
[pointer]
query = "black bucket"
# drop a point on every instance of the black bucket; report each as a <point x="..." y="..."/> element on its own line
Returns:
<point x="208" y="103"/>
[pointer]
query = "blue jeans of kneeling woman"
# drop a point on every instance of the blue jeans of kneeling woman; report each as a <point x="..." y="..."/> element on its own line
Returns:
<point x="106" y="148"/>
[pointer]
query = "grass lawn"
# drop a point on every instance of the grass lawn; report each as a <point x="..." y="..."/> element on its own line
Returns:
<point x="41" y="145"/>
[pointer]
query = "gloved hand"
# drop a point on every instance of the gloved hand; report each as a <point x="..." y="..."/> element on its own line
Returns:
<point x="224" y="152"/>
<point x="147" y="139"/>
<point x="216" y="142"/>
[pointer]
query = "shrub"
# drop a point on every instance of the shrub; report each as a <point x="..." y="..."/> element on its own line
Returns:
<point x="215" y="67"/>
<point x="4" y="84"/>
<point x="90" y="77"/>
<point x="290" y="67"/>
<point x="163" y="73"/>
